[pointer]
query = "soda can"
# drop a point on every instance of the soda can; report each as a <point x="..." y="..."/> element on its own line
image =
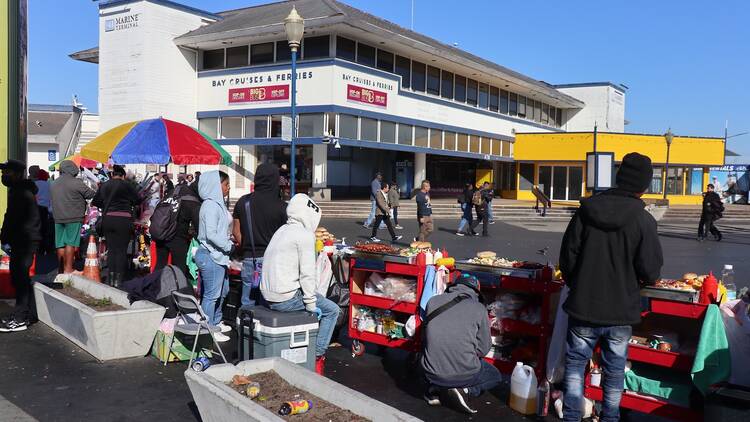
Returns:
<point x="201" y="364"/>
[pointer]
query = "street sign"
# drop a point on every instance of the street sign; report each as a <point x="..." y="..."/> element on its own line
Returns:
<point x="51" y="155"/>
<point x="286" y="128"/>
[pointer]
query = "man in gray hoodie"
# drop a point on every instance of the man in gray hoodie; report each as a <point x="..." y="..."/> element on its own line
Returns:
<point x="456" y="335"/>
<point x="69" y="196"/>
<point x="290" y="275"/>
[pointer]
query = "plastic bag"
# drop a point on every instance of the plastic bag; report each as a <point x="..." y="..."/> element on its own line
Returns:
<point x="325" y="274"/>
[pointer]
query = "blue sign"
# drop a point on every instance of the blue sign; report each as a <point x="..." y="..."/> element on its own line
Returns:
<point x="51" y="155"/>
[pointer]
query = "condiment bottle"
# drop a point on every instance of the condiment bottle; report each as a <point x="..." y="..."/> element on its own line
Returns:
<point x="709" y="290"/>
<point x="438" y="255"/>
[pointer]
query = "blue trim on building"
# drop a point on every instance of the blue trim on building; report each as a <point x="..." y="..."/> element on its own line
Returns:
<point x="380" y="73"/>
<point x="167" y="3"/>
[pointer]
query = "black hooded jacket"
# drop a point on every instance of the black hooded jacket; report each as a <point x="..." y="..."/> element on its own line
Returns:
<point x="267" y="208"/>
<point x="21" y="224"/>
<point x="611" y="246"/>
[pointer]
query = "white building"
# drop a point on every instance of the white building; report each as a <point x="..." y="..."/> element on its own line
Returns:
<point x="397" y="101"/>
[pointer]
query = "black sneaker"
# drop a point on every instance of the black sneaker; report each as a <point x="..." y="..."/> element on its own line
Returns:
<point x="456" y="398"/>
<point x="13" y="326"/>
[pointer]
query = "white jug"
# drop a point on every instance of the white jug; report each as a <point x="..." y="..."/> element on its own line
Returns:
<point x="523" y="389"/>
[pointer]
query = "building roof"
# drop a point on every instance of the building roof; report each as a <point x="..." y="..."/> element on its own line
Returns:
<point x="620" y="87"/>
<point x="90" y="55"/>
<point x="47" y="119"/>
<point x="268" y="19"/>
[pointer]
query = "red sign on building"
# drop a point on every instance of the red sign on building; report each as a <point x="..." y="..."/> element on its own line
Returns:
<point x="259" y="94"/>
<point x="366" y="95"/>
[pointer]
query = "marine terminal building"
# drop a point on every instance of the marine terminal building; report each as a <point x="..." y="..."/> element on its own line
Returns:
<point x="393" y="100"/>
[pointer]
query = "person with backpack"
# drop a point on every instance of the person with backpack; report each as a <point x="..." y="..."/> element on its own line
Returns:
<point x="174" y="224"/>
<point x="713" y="209"/>
<point x="467" y="217"/>
<point x="480" y="199"/>
<point x="456" y="338"/>
<point x="116" y="199"/>
<point x="257" y="216"/>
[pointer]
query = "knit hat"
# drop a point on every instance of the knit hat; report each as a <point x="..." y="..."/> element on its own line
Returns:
<point x="469" y="281"/>
<point x="635" y="173"/>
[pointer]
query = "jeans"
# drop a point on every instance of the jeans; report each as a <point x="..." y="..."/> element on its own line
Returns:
<point x="581" y="341"/>
<point x="22" y="255"/>
<point x="394" y="215"/>
<point x="466" y="219"/>
<point x="330" y="313"/>
<point x="251" y="281"/>
<point x="371" y="217"/>
<point x="214" y="285"/>
<point x="486" y="379"/>
<point x="489" y="211"/>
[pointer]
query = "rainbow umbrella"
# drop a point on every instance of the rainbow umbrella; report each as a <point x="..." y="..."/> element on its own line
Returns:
<point x="78" y="160"/>
<point x="155" y="141"/>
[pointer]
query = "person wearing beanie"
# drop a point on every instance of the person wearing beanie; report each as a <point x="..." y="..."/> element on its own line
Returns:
<point x="610" y="248"/>
<point x="289" y="275"/>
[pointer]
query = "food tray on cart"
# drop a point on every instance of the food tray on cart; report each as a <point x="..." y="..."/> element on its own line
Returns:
<point x="533" y="274"/>
<point x="398" y="259"/>
<point x="679" y="295"/>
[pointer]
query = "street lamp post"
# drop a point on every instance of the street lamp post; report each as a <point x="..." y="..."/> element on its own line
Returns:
<point x="294" y="26"/>
<point x="669" y="137"/>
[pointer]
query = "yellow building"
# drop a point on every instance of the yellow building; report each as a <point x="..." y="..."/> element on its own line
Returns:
<point x="557" y="163"/>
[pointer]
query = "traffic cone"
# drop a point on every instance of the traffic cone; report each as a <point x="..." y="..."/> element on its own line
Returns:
<point x="91" y="264"/>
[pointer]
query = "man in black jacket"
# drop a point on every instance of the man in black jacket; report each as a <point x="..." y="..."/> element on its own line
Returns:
<point x="483" y="209"/>
<point x="268" y="213"/>
<point x="611" y="246"/>
<point x="712" y="211"/>
<point x="22" y="233"/>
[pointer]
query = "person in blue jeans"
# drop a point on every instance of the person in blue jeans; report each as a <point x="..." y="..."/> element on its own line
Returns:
<point x="374" y="191"/>
<point x="212" y="256"/>
<point x="289" y="278"/>
<point x="609" y="249"/>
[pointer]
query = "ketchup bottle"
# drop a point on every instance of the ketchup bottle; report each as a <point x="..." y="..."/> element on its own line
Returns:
<point x="709" y="290"/>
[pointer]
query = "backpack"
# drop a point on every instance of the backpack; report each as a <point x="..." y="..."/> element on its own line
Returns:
<point x="163" y="223"/>
<point x="476" y="198"/>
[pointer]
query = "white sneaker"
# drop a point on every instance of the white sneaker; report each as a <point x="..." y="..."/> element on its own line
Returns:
<point x="374" y="239"/>
<point x="221" y="338"/>
<point x="224" y="328"/>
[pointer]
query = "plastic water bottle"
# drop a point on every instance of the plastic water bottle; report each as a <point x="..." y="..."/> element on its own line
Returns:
<point x="727" y="279"/>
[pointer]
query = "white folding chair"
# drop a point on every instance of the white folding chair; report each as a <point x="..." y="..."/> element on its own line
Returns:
<point x="188" y="304"/>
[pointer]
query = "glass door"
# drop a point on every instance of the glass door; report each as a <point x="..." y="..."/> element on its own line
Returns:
<point x="545" y="180"/>
<point x="575" y="183"/>
<point x="559" y="183"/>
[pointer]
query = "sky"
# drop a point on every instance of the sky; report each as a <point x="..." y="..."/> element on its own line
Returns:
<point x="686" y="62"/>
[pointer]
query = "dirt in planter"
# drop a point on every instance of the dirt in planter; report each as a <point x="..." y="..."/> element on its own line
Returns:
<point x="101" y="305"/>
<point x="274" y="392"/>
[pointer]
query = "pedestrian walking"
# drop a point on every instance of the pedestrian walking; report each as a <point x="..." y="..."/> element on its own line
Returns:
<point x="610" y="248"/>
<point x="20" y="236"/>
<point x="257" y="216"/>
<point x="69" y="195"/>
<point x="394" y="197"/>
<point x="374" y="189"/>
<point x="117" y="200"/>
<point x="39" y="177"/>
<point x="467" y="210"/>
<point x="480" y="199"/>
<point x="188" y="202"/>
<point x="491" y="197"/>
<point x="424" y="211"/>
<point x="383" y="214"/>
<point x="212" y="256"/>
<point x="712" y="210"/>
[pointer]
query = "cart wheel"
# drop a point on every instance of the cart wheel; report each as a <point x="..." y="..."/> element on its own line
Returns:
<point x="358" y="349"/>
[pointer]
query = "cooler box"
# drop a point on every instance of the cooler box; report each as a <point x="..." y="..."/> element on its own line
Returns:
<point x="288" y="335"/>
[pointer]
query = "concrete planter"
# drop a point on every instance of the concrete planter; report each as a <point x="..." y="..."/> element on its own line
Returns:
<point x="105" y="335"/>
<point x="217" y="402"/>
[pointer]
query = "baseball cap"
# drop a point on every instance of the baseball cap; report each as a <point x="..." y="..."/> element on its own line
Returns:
<point x="14" y="165"/>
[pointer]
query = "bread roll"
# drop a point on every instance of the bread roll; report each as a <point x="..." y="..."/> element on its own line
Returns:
<point x="690" y="276"/>
<point x="486" y="254"/>
<point x="414" y="245"/>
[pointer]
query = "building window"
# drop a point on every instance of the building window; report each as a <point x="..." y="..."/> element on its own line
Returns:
<point x="486" y="146"/>
<point x="545" y="112"/>
<point x="513" y="104"/>
<point x="446" y="85"/>
<point x="276" y="126"/>
<point x="368" y="129"/>
<point x="559" y="117"/>
<point x="418" y="76"/>
<point x="331" y="123"/>
<point x="310" y="125"/>
<point x="497" y="147"/>
<point x="694" y="185"/>
<point x="521" y="106"/>
<point x="231" y="127"/>
<point x="256" y="126"/>
<point x="474" y="144"/>
<point x="237" y="56"/>
<point x="347" y="126"/>
<point x="494" y="98"/>
<point x="655" y="186"/>
<point x="261" y="53"/>
<point x="404" y="134"/>
<point x="209" y="126"/>
<point x="674" y="180"/>
<point x="526" y="176"/>
<point x="436" y="138"/>
<point x="450" y="141"/>
<point x="463" y="142"/>
<point x="346" y="49"/>
<point x="552" y="115"/>
<point x="387" y="132"/>
<point x="403" y="69"/>
<point x="385" y="60"/>
<point x="365" y="55"/>
<point x="484" y="96"/>
<point x="471" y="92"/>
<point x="316" y="47"/>
<point x="503" y="101"/>
<point x="506" y="149"/>
<point x="433" y="80"/>
<point x="283" y="52"/>
<point x="460" y="89"/>
<point x="537" y="111"/>
<point x="213" y="59"/>
<point x="420" y="137"/>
